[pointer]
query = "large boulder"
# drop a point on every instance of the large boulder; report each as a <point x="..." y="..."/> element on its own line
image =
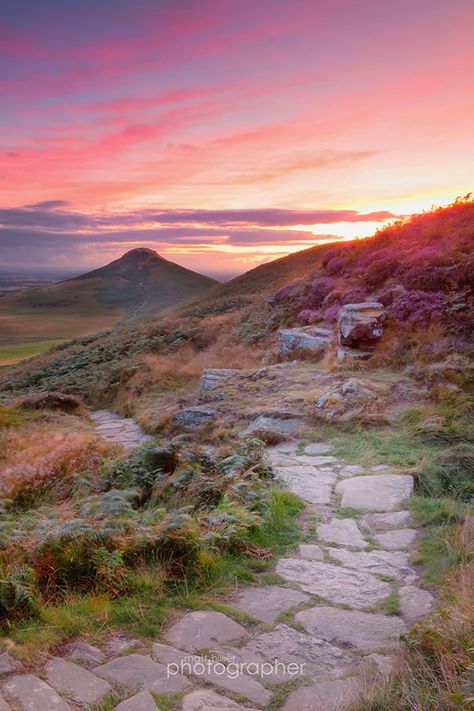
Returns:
<point x="193" y="418"/>
<point x="212" y="377"/>
<point x="311" y="339"/>
<point x="360" y="325"/>
<point x="274" y="427"/>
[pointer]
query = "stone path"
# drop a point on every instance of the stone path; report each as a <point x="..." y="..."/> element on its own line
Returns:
<point x="319" y="638"/>
<point x="119" y="430"/>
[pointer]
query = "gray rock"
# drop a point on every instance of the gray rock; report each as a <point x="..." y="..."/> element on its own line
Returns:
<point x="274" y="427"/>
<point x="204" y="629"/>
<point x="310" y="551"/>
<point x="206" y="700"/>
<point x="327" y="696"/>
<point x="312" y="485"/>
<point x="399" y="539"/>
<point x="311" y="338"/>
<point x="253" y="664"/>
<point x="414" y="602"/>
<point x="352" y="354"/>
<point x="360" y="325"/>
<point x="75" y="682"/>
<point x="86" y="653"/>
<point x="212" y="377"/>
<point x="380" y="492"/>
<point x="391" y="563"/>
<point x="380" y="468"/>
<point x="311" y="656"/>
<point x="316" y="448"/>
<point x="351" y="470"/>
<point x="342" y="586"/>
<point x="266" y="603"/>
<point x="343" y="531"/>
<point x="3" y="705"/>
<point x="142" y="701"/>
<point x="193" y="418"/>
<point x="33" y="694"/>
<point x="386" y="521"/>
<point x="351" y="628"/>
<point x="8" y="664"/>
<point x="140" y="671"/>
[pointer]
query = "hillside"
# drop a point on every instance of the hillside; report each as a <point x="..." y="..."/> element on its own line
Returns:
<point x="136" y="285"/>
<point x="421" y="269"/>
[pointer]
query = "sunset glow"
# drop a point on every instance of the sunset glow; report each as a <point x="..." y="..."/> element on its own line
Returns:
<point x="224" y="134"/>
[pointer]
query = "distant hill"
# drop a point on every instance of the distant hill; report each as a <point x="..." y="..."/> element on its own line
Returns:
<point x="138" y="284"/>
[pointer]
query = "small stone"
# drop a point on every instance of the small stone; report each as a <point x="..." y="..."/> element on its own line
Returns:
<point x="386" y="521"/>
<point x="351" y="470"/>
<point x="415" y="602"/>
<point x="193" y="418"/>
<point x="204" y="629"/>
<point x="311" y="338"/>
<point x="141" y="671"/>
<point x="9" y="664"/>
<point x="266" y="603"/>
<point x="213" y="377"/>
<point x="327" y="696"/>
<point x="311" y="656"/>
<point x="382" y="492"/>
<point x="33" y="694"/>
<point x="310" y="551"/>
<point x="120" y="644"/>
<point x="206" y="700"/>
<point x="143" y="701"/>
<point x="390" y="563"/>
<point x="351" y="628"/>
<point x="343" y="531"/>
<point x="380" y="468"/>
<point x="339" y="585"/>
<point x="316" y="448"/>
<point x="75" y="682"/>
<point x="86" y="653"/>
<point x="396" y="540"/>
<point x="274" y="427"/>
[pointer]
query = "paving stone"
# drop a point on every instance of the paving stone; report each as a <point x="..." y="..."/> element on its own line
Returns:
<point x="266" y="603"/>
<point x="253" y="662"/>
<point x="310" y="551"/>
<point x="33" y="694"/>
<point x="3" y="705"/>
<point x="351" y="470"/>
<point x="342" y="586"/>
<point x="119" y="644"/>
<point x="312" y="657"/>
<point x="141" y="671"/>
<point x="143" y="701"/>
<point x="204" y="629"/>
<point x="320" y="460"/>
<point x="380" y="492"/>
<point x="327" y="696"/>
<point x="399" y="539"/>
<point x="207" y="700"/>
<point x="415" y="602"/>
<point x="351" y="628"/>
<point x="75" y="682"/>
<point x="343" y="531"/>
<point x="8" y="664"/>
<point x="316" y="448"/>
<point x="380" y="468"/>
<point x="386" y="521"/>
<point x="311" y="484"/>
<point x="85" y="653"/>
<point x="391" y="563"/>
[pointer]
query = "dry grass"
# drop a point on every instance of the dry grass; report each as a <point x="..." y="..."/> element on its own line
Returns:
<point x="41" y="459"/>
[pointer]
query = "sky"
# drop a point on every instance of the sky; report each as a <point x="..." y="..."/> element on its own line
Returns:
<point x="225" y="133"/>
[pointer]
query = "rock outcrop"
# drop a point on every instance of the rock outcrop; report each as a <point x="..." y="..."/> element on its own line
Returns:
<point x="311" y="338"/>
<point x="193" y="418"/>
<point x="212" y="377"/>
<point x="274" y="427"/>
<point x="360" y="325"/>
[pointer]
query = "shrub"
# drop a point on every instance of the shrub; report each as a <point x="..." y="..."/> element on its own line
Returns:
<point x="419" y="306"/>
<point x="319" y="289"/>
<point x="356" y="295"/>
<point x="337" y="265"/>
<point x="17" y="592"/>
<point x="332" y="312"/>
<point x="428" y="278"/>
<point x="284" y="294"/>
<point x="51" y="400"/>
<point x="330" y="254"/>
<point x="379" y="271"/>
<point x="309" y="316"/>
<point x="451" y="473"/>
